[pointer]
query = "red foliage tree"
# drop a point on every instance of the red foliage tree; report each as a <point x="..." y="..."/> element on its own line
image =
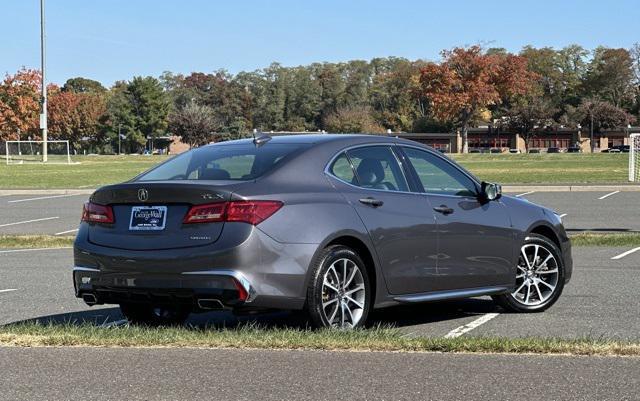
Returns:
<point x="73" y="116"/>
<point x="469" y="80"/>
<point x="20" y="105"/>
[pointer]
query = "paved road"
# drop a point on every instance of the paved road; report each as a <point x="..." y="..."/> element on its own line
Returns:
<point x="601" y="301"/>
<point x="199" y="374"/>
<point x="584" y="211"/>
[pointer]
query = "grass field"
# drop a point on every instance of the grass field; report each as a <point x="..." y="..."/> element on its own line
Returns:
<point x="93" y="171"/>
<point x="374" y="339"/>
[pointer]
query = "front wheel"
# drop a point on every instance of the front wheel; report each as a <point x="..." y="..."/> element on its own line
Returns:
<point x="339" y="294"/>
<point x="539" y="277"/>
<point x="152" y="315"/>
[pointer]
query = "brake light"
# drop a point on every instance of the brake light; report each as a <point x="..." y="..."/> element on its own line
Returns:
<point x="252" y="212"/>
<point x="94" y="213"/>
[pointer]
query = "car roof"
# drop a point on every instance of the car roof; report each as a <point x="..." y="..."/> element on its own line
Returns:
<point x="319" y="138"/>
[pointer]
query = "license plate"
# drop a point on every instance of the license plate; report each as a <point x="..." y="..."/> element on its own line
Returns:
<point x="148" y="218"/>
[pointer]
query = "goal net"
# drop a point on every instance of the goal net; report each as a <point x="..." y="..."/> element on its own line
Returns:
<point x="634" y="157"/>
<point x="22" y="152"/>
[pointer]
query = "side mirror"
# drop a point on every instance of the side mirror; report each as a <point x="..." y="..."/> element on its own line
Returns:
<point x="490" y="191"/>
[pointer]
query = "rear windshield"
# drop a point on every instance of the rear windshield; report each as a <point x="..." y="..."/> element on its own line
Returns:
<point x="228" y="162"/>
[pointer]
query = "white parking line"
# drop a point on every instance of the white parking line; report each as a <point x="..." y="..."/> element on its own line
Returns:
<point x="563" y="214"/>
<point x="608" y="195"/>
<point x="526" y="193"/>
<point x="623" y="254"/>
<point x="36" y="249"/>
<point x="9" y="290"/>
<point x="42" y="197"/>
<point x="66" y="232"/>
<point x="28" y="221"/>
<point x="457" y="332"/>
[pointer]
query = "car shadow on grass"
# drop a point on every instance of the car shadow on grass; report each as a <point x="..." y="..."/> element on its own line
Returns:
<point x="396" y="316"/>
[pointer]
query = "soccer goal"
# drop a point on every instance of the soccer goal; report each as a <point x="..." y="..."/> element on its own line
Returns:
<point x="634" y="157"/>
<point x="23" y="152"/>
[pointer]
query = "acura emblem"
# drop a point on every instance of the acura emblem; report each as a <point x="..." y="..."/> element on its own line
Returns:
<point x="143" y="194"/>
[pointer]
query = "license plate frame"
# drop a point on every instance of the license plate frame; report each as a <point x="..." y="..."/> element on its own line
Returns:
<point x="151" y="222"/>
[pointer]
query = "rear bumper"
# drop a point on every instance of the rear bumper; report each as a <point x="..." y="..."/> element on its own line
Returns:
<point x="273" y="274"/>
<point x="216" y="289"/>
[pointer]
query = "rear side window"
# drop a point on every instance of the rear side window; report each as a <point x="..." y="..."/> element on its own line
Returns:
<point x="226" y="162"/>
<point x="377" y="168"/>
<point x="341" y="168"/>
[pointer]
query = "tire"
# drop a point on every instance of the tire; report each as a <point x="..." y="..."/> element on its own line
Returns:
<point x="535" y="276"/>
<point x="344" y="307"/>
<point x="151" y="315"/>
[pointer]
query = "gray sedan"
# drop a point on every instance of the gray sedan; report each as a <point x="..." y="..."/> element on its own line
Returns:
<point x="335" y="225"/>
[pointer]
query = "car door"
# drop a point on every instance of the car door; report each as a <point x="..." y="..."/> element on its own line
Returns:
<point x="476" y="240"/>
<point x="401" y="224"/>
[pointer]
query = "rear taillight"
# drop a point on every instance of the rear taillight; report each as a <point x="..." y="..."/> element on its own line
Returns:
<point x="252" y="212"/>
<point x="242" y="292"/>
<point x="210" y="213"/>
<point x="94" y="213"/>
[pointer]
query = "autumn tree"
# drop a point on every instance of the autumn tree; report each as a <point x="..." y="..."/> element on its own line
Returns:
<point x="75" y="116"/>
<point x="20" y="105"/>
<point x="610" y="76"/>
<point x="83" y="85"/>
<point x="468" y="81"/>
<point x="194" y="123"/>
<point x="528" y="115"/>
<point x="352" y="120"/>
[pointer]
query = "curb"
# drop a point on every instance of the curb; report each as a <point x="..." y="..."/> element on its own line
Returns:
<point x="10" y="192"/>
<point x="570" y="188"/>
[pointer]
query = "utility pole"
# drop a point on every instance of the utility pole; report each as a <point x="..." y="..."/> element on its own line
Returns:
<point x="119" y="138"/>
<point x="43" y="100"/>
<point x="591" y="131"/>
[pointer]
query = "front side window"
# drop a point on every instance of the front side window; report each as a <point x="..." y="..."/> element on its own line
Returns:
<point x="239" y="162"/>
<point x="439" y="176"/>
<point x="376" y="167"/>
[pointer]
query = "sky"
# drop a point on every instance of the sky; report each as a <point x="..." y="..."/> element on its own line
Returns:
<point x="112" y="40"/>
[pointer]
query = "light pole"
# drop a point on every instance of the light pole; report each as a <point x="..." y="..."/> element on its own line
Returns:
<point x="119" y="138"/>
<point x="591" y="131"/>
<point x="43" y="101"/>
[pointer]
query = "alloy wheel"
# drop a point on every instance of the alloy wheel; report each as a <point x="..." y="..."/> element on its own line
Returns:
<point x="537" y="275"/>
<point x="343" y="294"/>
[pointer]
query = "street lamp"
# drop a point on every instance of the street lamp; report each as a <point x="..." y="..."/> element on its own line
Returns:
<point x="43" y="101"/>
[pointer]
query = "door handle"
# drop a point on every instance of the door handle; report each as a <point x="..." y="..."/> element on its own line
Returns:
<point x="444" y="209"/>
<point x="372" y="202"/>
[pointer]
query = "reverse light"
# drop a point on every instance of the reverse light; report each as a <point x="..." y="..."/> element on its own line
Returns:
<point x="251" y="212"/>
<point x="94" y="213"/>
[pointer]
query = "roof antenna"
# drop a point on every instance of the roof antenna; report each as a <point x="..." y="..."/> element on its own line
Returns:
<point x="261" y="140"/>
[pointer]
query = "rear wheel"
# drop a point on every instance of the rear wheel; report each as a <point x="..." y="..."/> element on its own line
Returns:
<point x="539" y="277"/>
<point x="153" y="315"/>
<point x="339" y="294"/>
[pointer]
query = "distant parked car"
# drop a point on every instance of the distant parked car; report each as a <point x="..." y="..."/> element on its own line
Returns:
<point x="534" y="150"/>
<point x="336" y="225"/>
<point x="495" y="150"/>
<point x="573" y="149"/>
<point x="553" y="150"/>
<point x="611" y="150"/>
<point x="514" y="150"/>
<point x="622" y="148"/>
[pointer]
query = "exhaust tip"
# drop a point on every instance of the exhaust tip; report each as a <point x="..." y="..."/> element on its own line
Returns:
<point x="210" y="304"/>
<point x="89" y="299"/>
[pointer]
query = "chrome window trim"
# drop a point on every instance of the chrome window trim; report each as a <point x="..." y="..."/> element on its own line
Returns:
<point x="85" y="269"/>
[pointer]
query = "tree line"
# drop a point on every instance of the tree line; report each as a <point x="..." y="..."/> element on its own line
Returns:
<point x="533" y="91"/>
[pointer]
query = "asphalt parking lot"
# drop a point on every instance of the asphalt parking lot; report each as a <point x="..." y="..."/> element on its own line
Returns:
<point x="599" y="302"/>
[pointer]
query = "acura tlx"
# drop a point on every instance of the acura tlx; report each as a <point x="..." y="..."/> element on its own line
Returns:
<point x="335" y="225"/>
